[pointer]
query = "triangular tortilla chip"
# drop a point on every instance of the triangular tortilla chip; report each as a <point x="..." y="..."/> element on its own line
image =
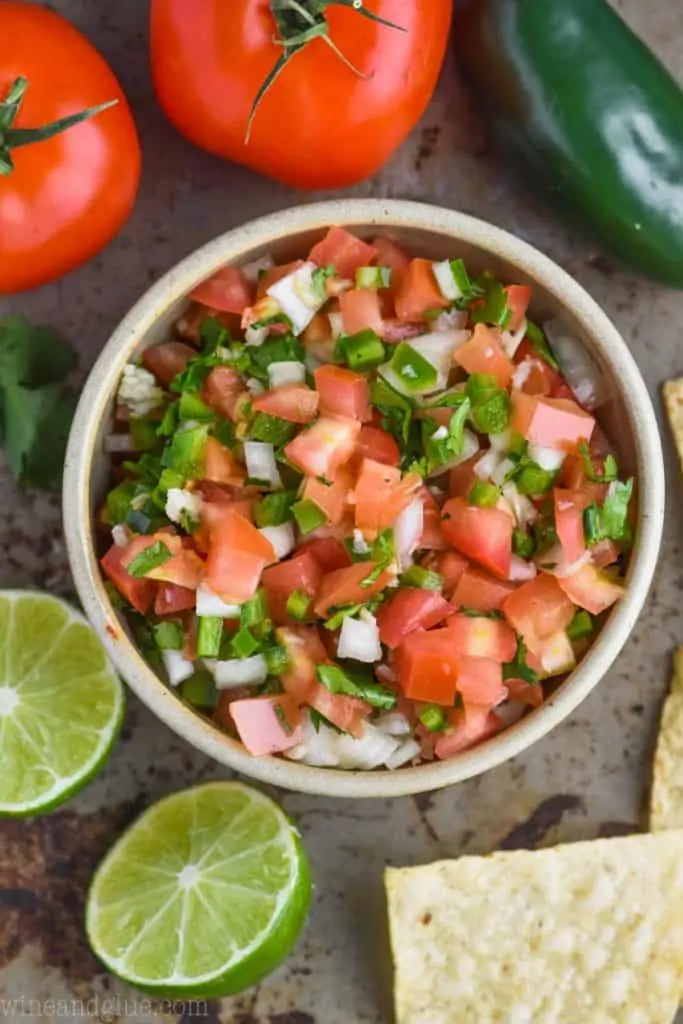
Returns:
<point x="673" y="402"/>
<point x="666" y="797"/>
<point x="588" y="933"/>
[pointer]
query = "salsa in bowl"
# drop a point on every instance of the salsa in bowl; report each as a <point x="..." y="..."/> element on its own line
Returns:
<point x="363" y="507"/>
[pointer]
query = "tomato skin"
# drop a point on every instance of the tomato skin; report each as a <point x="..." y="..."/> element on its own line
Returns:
<point x="304" y="650"/>
<point x="266" y="725"/>
<point x="220" y="465"/>
<point x="292" y="402"/>
<point x="227" y="290"/>
<point x="379" y="445"/>
<point x="361" y="311"/>
<point x="468" y="726"/>
<point x="432" y="538"/>
<point x="553" y="422"/>
<point x="343" y="586"/>
<point x="538" y="610"/>
<point x="483" y="353"/>
<point x="343" y="251"/>
<point x="138" y="592"/>
<point x="210" y="59"/>
<point x="238" y="553"/>
<point x="329" y="553"/>
<point x="302" y="572"/>
<point x="480" y="591"/>
<point x="326" y="446"/>
<point x="343" y="393"/>
<point x="483" y="534"/>
<point x="592" y="589"/>
<point x="411" y="609"/>
<point x="390" y="254"/>
<point x="223" y="391"/>
<point x="480" y="680"/>
<point x="381" y="495"/>
<point x="569" y="508"/>
<point x="518" y="299"/>
<point x="331" y="497"/>
<point x="171" y="599"/>
<point x="68" y="196"/>
<point x="419" y="293"/>
<point x="451" y="566"/>
<point x="427" y="667"/>
<point x="167" y="359"/>
<point x="347" y="713"/>
<point x="475" y="637"/>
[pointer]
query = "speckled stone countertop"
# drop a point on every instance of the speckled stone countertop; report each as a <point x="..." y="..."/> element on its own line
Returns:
<point x="588" y="778"/>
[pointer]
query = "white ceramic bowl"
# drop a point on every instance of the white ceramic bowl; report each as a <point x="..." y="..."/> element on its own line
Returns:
<point x="427" y="231"/>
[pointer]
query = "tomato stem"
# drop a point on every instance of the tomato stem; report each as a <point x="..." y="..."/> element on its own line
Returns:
<point x="12" y="138"/>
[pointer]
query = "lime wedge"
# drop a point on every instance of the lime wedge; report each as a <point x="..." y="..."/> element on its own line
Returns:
<point x="61" y="704"/>
<point x="205" y="894"/>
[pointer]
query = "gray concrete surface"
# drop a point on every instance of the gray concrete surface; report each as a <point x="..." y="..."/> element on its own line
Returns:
<point x="588" y="778"/>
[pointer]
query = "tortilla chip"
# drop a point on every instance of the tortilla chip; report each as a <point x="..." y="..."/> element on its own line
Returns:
<point x="588" y="933"/>
<point x="666" y="797"/>
<point x="673" y="402"/>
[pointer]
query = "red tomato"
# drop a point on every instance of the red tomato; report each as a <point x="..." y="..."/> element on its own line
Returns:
<point x="209" y="63"/>
<point x="527" y="693"/>
<point x="381" y="495"/>
<point x="343" y="251"/>
<point x="480" y="591"/>
<point x="69" y="195"/>
<point x="138" y="592"/>
<point x="451" y="566"/>
<point x="409" y="610"/>
<point x="379" y="445"/>
<point x="569" y="509"/>
<point x="361" y="310"/>
<point x="333" y="496"/>
<point x="390" y="254"/>
<point x="432" y="537"/>
<point x="329" y="553"/>
<point x="553" y="422"/>
<point x="301" y="572"/>
<point x="266" y="725"/>
<point x="483" y="353"/>
<point x="167" y="360"/>
<point x="419" y="293"/>
<point x="592" y="589"/>
<point x="343" y="393"/>
<point x="237" y="556"/>
<point x="518" y="299"/>
<point x="344" y="586"/>
<point x="220" y="465"/>
<point x="483" y="534"/>
<point x="274" y="274"/>
<point x="227" y="290"/>
<point x="304" y="650"/>
<point x="295" y="403"/>
<point x="573" y="478"/>
<point x="482" y="638"/>
<point x="604" y="553"/>
<point x="324" y="447"/>
<point x="223" y="391"/>
<point x="461" y="478"/>
<point x="538" y="610"/>
<point x="468" y="726"/>
<point x="542" y="379"/>
<point x="347" y="713"/>
<point x="427" y="667"/>
<point x="395" y="330"/>
<point x="185" y="569"/>
<point x="480" y="680"/>
<point x="171" y="599"/>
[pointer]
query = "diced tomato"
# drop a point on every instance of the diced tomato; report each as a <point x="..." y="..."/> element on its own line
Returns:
<point x="347" y="713"/>
<point x="462" y="477"/>
<point x="274" y="274"/>
<point x="305" y="651"/>
<point x="227" y="289"/>
<point x="468" y="726"/>
<point x="329" y="553"/>
<point x="237" y="556"/>
<point x="483" y="534"/>
<point x="223" y="391"/>
<point x="342" y="250"/>
<point x="592" y="589"/>
<point x="419" y="293"/>
<point x="185" y="569"/>
<point x="139" y="593"/>
<point x="432" y="538"/>
<point x="171" y="599"/>
<point x="343" y="586"/>
<point x="267" y="725"/>
<point x="538" y="610"/>
<point x="395" y="330"/>
<point x="361" y="310"/>
<point x="483" y="353"/>
<point x="332" y="497"/>
<point x="552" y="422"/>
<point x="295" y="403"/>
<point x="451" y="566"/>
<point x="302" y="572"/>
<point x="220" y="465"/>
<point x="569" y="509"/>
<point x="526" y="693"/>
<point x="427" y="666"/>
<point x="481" y="637"/>
<point x="390" y="254"/>
<point x="604" y="553"/>
<point x="324" y="447"/>
<point x="480" y="680"/>
<point x="411" y="609"/>
<point x="381" y="495"/>
<point x="518" y="299"/>
<point x="479" y="591"/>
<point x="167" y="360"/>
<point x="343" y="393"/>
<point x="379" y="445"/>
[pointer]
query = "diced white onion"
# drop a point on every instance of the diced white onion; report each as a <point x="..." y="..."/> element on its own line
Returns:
<point x="240" y="672"/>
<point x="583" y="374"/>
<point x="336" y="324"/>
<point x="211" y="605"/>
<point x="440" y="434"/>
<point x="512" y="340"/>
<point x="178" y="668"/>
<point x="558" y="655"/>
<point x="120" y="535"/>
<point x="360" y="545"/>
<point x="117" y="443"/>
<point x="550" y="459"/>
<point x="443" y="272"/>
<point x="253" y="270"/>
<point x="521" y="571"/>
<point x="280" y="374"/>
<point x="449" y="320"/>
<point x="359" y="639"/>
<point x="261" y="464"/>
<point x="369" y="751"/>
<point x="553" y="561"/>
<point x="298" y="297"/>
<point x="501" y="442"/>
<point x="438" y="349"/>
<point x="501" y="471"/>
<point x="255" y="387"/>
<point x="487" y="465"/>
<point x="522" y="374"/>
<point x="523" y="508"/>
<point x="281" y="537"/>
<point x="316" y="747"/>
<point x="408" y="528"/>
<point x="470" y="447"/>
<point x="407" y="751"/>
<point x="180" y="502"/>
<point x="255" y="336"/>
<point x="394" y="724"/>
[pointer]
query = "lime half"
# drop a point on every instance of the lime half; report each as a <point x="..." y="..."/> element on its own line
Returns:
<point x="204" y="895"/>
<point x="61" y="704"/>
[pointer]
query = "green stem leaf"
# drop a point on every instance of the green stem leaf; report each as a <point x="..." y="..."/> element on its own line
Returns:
<point x="13" y="138"/>
<point x="357" y="5"/>
<point x="12" y="101"/>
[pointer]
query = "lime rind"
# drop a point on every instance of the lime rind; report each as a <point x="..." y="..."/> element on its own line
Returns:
<point x="61" y="703"/>
<point x="206" y="893"/>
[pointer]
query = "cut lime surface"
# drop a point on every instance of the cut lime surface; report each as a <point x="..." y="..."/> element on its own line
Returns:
<point x="204" y="895"/>
<point x="61" y="704"/>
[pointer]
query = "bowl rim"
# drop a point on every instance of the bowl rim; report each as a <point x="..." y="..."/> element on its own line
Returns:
<point x="235" y="245"/>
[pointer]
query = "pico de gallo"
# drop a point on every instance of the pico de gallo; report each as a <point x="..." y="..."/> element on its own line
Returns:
<point x="359" y="516"/>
